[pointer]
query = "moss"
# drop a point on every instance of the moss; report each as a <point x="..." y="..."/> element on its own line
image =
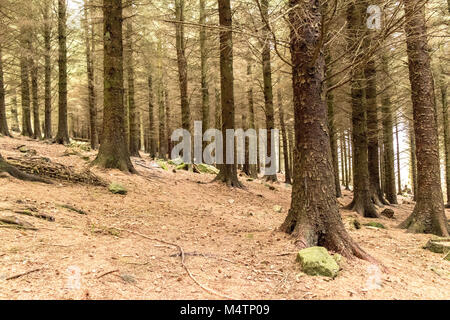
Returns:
<point x="162" y="164"/>
<point x="117" y="188"/>
<point x="182" y="166"/>
<point x="317" y="261"/>
<point x="375" y="225"/>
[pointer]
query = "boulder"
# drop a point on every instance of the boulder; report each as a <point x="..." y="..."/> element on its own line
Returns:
<point x="117" y="188"/>
<point x="389" y="213"/>
<point x="205" y="168"/>
<point x="439" y="245"/>
<point x="317" y="261"/>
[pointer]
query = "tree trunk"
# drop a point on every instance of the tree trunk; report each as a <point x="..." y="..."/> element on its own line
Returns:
<point x="3" y="123"/>
<point x="62" y="137"/>
<point x="113" y="152"/>
<point x="268" y="90"/>
<point x="47" y="73"/>
<point x="412" y="144"/>
<point x="250" y="169"/>
<point x="346" y="160"/>
<point x="151" y="118"/>
<point x="285" y="142"/>
<point x="204" y="69"/>
<point x="90" y="75"/>
<point x="331" y="127"/>
<point x="132" y="111"/>
<point x="34" y="93"/>
<point x="399" y="180"/>
<point x="445" y="120"/>
<point x="182" y="65"/>
<point x="14" y="112"/>
<point x="314" y="217"/>
<point x="25" y="86"/>
<point x="370" y="74"/>
<point x="162" y="121"/>
<point x="168" y="122"/>
<point x="428" y="215"/>
<point x="228" y="171"/>
<point x="362" y="200"/>
<point x="388" y="137"/>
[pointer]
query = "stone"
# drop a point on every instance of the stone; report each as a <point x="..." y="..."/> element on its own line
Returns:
<point x="117" y="188"/>
<point x="317" y="261"/>
<point x="439" y="245"/>
<point x="277" y="208"/>
<point x="375" y="225"/>
<point x="389" y="213"/>
<point x="205" y="168"/>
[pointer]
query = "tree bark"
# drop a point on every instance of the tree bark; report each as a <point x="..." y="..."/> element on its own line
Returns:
<point x="62" y="137"/>
<point x="399" y="180"/>
<point x="267" y="79"/>
<point x="113" y="152"/>
<point x="388" y="137"/>
<point x="428" y="215"/>
<point x="25" y="83"/>
<point x="412" y="145"/>
<point x="314" y="217"/>
<point x="14" y="112"/>
<point x="228" y="171"/>
<point x="285" y="140"/>
<point x="3" y="123"/>
<point x="204" y="68"/>
<point x="151" y="117"/>
<point x="90" y="77"/>
<point x="35" y="97"/>
<point x="362" y="200"/>
<point x="47" y="73"/>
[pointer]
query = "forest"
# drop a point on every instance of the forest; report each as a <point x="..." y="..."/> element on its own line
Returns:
<point x="224" y="149"/>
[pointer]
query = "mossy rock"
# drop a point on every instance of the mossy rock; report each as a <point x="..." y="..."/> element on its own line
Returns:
<point x="162" y="164"/>
<point x="338" y="258"/>
<point x="205" y="168"/>
<point x="439" y="245"/>
<point x="117" y="188"/>
<point x="182" y="166"/>
<point x="316" y="261"/>
<point x="375" y="225"/>
<point x="175" y="162"/>
<point x="277" y="208"/>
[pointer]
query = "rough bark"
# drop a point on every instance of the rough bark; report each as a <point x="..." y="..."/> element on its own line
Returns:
<point x="35" y="98"/>
<point x="204" y="69"/>
<point x="445" y="123"/>
<point x="362" y="199"/>
<point x="62" y="137"/>
<point x="25" y="83"/>
<point x="90" y="77"/>
<point x="3" y="123"/>
<point x="397" y="140"/>
<point x="250" y="169"/>
<point x="182" y="65"/>
<point x="428" y="215"/>
<point x="113" y="152"/>
<point x="14" y="112"/>
<point x="412" y="146"/>
<point x="267" y="79"/>
<point x="285" y="140"/>
<point x="47" y="73"/>
<point x="331" y="126"/>
<point x="314" y="217"/>
<point x="228" y="172"/>
<point x="388" y="138"/>
<point x="151" y="118"/>
<point x="162" y="122"/>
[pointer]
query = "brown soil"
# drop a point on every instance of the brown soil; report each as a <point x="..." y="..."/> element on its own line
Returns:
<point x="229" y="236"/>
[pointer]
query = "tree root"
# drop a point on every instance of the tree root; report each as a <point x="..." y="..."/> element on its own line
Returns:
<point x="182" y="254"/>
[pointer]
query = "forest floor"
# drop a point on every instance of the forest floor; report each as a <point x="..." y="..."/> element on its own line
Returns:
<point x="229" y="236"/>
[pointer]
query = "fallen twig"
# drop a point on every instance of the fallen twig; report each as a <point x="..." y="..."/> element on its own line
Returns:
<point x="106" y="273"/>
<point x="23" y="274"/>
<point x="211" y="291"/>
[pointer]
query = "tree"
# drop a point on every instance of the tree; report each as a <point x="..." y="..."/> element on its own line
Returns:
<point x="25" y="83"/>
<point x="228" y="172"/>
<point x="428" y="215"/>
<point x="3" y="124"/>
<point x="284" y="138"/>
<point x="204" y="68"/>
<point x="314" y="217"/>
<point x="34" y="95"/>
<point x="62" y="137"/>
<point x="90" y="75"/>
<point x="362" y="199"/>
<point x="388" y="138"/>
<point x="47" y="72"/>
<point x="113" y="152"/>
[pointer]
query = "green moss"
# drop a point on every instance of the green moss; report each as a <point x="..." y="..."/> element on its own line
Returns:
<point x="162" y="164"/>
<point x="375" y="225"/>
<point x="117" y="188"/>
<point x="317" y="261"/>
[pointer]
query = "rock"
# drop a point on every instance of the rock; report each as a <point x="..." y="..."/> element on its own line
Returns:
<point x="439" y="245"/>
<point x="117" y="188"/>
<point x="317" y="261"/>
<point x="277" y="208"/>
<point x="162" y="164"/>
<point x="205" y="168"/>
<point x="388" y="213"/>
<point x="23" y="149"/>
<point x="338" y="258"/>
<point x="375" y="225"/>
<point x="269" y="186"/>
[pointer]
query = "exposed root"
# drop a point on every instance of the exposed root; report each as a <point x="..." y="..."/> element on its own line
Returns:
<point x="182" y="254"/>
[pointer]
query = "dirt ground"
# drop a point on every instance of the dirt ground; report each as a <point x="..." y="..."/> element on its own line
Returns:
<point x="229" y="237"/>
